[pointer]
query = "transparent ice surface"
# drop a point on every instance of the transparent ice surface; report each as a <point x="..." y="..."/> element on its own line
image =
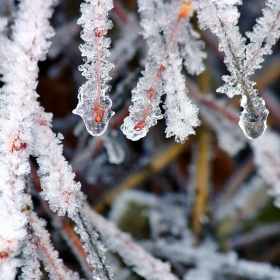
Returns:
<point x="253" y="122"/>
<point x="96" y="116"/>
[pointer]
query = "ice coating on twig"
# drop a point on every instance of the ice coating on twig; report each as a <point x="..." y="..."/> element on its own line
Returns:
<point x="63" y="193"/>
<point x="264" y="35"/>
<point x="94" y="107"/>
<point x="27" y="44"/>
<point x="56" y="176"/>
<point x="242" y="60"/>
<point x="161" y="23"/>
<point x="57" y="270"/>
<point x="181" y="114"/>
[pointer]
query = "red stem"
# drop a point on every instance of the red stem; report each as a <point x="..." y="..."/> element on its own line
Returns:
<point x="98" y="112"/>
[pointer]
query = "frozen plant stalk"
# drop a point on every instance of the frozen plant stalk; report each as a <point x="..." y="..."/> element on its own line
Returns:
<point x="241" y="60"/>
<point x="164" y="25"/>
<point x="94" y="107"/>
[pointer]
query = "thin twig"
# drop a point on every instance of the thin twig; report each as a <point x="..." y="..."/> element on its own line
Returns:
<point x="202" y="168"/>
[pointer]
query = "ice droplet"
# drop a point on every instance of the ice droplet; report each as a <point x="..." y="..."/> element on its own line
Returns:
<point x="253" y="128"/>
<point x="96" y="115"/>
<point x="253" y="124"/>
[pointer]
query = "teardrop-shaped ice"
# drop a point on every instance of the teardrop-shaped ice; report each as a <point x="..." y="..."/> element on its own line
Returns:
<point x="96" y="115"/>
<point x="253" y="123"/>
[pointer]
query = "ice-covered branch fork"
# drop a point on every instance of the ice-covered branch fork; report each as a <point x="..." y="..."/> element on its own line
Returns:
<point x="162" y="22"/>
<point x="94" y="106"/>
<point x="241" y="60"/>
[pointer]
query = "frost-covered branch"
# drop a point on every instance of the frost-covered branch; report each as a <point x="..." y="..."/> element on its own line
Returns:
<point x="56" y="176"/>
<point x="63" y="193"/>
<point x="94" y="106"/>
<point x="28" y="44"/>
<point x="25" y="130"/>
<point x="52" y="263"/>
<point x="264" y="35"/>
<point x="162" y="72"/>
<point x="222" y="17"/>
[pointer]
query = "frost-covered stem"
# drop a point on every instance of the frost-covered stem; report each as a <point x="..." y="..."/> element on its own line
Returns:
<point x="94" y="106"/>
<point x="18" y="101"/>
<point x="252" y="59"/>
<point x="150" y="94"/>
<point x="184" y="11"/>
<point x="31" y="265"/>
<point x="95" y="250"/>
<point x="161" y="21"/>
<point x="50" y="257"/>
<point x="77" y="247"/>
<point x="133" y="255"/>
<point x="240" y="77"/>
<point x="56" y="177"/>
<point x="62" y="192"/>
<point x="264" y="35"/>
<point x="74" y="239"/>
<point x="98" y="33"/>
<point x="67" y="231"/>
<point x="213" y="15"/>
